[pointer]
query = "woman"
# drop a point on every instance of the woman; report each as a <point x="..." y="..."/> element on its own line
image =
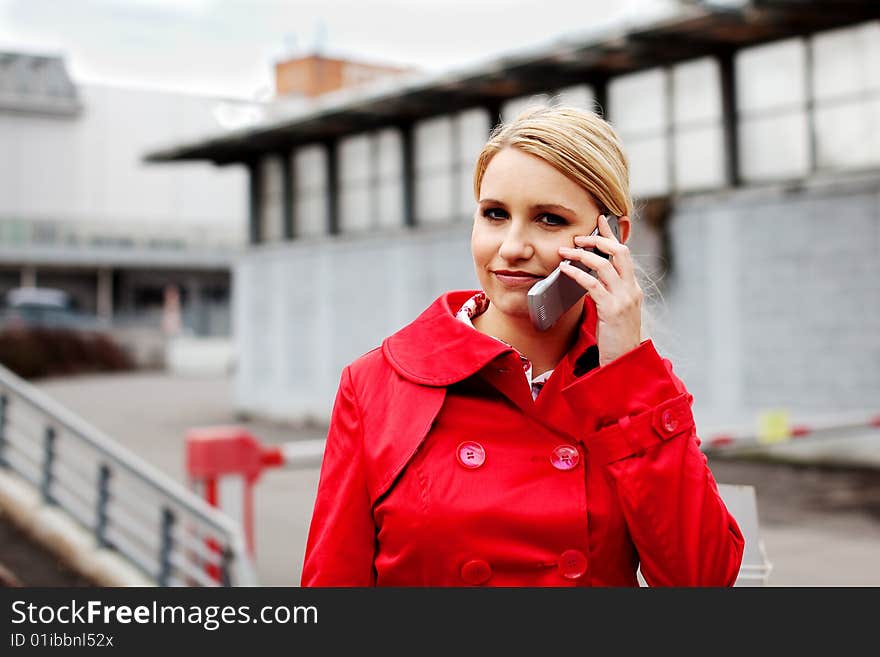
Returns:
<point x="473" y="449"/>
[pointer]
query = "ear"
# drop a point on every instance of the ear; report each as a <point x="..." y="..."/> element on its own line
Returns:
<point x="624" y="226"/>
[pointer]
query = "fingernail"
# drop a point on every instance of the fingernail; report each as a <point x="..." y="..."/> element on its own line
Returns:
<point x="602" y="217"/>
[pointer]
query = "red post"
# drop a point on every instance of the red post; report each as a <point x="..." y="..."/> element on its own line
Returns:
<point x="215" y="453"/>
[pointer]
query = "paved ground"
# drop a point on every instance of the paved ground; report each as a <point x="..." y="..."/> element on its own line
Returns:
<point x="24" y="564"/>
<point x="820" y="526"/>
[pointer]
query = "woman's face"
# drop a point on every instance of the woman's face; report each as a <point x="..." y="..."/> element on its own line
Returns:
<point x="526" y="211"/>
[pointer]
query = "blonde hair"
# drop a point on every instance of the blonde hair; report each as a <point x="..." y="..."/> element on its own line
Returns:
<point x="576" y="142"/>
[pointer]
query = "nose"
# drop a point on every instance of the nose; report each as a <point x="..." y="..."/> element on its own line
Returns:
<point x="516" y="244"/>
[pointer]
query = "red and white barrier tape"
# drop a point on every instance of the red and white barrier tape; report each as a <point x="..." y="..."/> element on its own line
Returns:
<point x="748" y="439"/>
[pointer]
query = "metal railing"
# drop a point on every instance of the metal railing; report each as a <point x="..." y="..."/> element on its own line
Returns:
<point x="154" y="523"/>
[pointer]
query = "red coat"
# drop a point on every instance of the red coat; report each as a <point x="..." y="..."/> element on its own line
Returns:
<point x="441" y="470"/>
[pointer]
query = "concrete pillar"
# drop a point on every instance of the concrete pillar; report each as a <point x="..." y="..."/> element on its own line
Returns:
<point x="288" y="207"/>
<point x="374" y="181"/>
<point x="126" y="285"/>
<point x="456" y="166"/>
<point x="669" y="94"/>
<point x="600" y="95"/>
<point x="105" y="294"/>
<point x="409" y="174"/>
<point x="810" y="107"/>
<point x="29" y="276"/>
<point x="332" y="187"/>
<point x="493" y="107"/>
<point x="729" y="122"/>
<point x="255" y="201"/>
<point x="196" y="310"/>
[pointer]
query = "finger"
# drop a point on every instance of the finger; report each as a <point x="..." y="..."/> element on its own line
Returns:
<point x="605" y="270"/>
<point x="592" y="260"/>
<point x="591" y="284"/>
<point x="621" y="256"/>
<point x="603" y="228"/>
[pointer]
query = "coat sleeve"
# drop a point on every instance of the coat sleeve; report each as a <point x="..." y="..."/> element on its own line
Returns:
<point x="342" y="535"/>
<point x="642" y="430"/>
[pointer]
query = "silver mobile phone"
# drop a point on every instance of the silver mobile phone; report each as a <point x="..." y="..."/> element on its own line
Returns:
<point x="550" y="297"/>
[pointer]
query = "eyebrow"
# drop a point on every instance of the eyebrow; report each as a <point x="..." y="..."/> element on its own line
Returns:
<point x="546" y="207"/>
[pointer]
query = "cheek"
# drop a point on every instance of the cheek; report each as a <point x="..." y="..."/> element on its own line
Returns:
<point x="481" y="247"/>
<point x="547" y="250"/>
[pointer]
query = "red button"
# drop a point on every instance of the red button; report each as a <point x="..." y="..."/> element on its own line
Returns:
<point x="476" y="572"/>
<point x="565" y="457"/>
<point x="572" y="564"/>
<point x="669" y="421"/>
<point x="470" y="454"/>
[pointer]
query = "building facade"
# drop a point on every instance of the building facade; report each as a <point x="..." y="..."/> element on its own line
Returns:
<point x="81" y="211"/>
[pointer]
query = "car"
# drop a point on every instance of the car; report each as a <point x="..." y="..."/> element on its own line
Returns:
<point x="44" y="307"/>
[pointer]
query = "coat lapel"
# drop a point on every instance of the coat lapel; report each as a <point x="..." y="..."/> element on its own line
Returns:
<point x="505" y="375"/>
<point x="399" y="435"/>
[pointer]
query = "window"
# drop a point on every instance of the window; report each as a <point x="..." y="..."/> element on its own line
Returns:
<point x="638" y="110"/>
<point x="845" y="83"/>
<point x="771" y="107"/>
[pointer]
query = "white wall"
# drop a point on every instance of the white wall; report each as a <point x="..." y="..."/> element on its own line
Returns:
<point x="89" y="168"/>
<point x="300" y="317"/>
<point x="748" y="327"/>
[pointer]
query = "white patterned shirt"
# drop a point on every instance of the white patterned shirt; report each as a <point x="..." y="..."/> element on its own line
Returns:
<point x="476" y="306"/>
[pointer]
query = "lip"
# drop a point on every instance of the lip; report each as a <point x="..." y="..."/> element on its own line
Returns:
<point x="516" y="279"/>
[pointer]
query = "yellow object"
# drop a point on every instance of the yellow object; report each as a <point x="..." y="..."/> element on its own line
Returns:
<point x="773" y="426"/>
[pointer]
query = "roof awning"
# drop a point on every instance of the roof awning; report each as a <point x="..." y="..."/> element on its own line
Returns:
<point x="698" y="30"/>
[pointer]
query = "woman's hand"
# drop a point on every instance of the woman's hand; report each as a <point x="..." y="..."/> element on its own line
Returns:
<point x="616" y="293"/>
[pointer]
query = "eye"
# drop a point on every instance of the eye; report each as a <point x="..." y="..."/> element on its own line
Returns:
<point x="552" y="220"/>
<point x="494" y="214"/>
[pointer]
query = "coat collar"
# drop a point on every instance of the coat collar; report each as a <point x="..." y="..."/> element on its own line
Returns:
<point x="436" y="349"/>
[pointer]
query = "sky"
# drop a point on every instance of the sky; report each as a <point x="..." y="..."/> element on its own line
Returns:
<point x="228" y="47"/>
